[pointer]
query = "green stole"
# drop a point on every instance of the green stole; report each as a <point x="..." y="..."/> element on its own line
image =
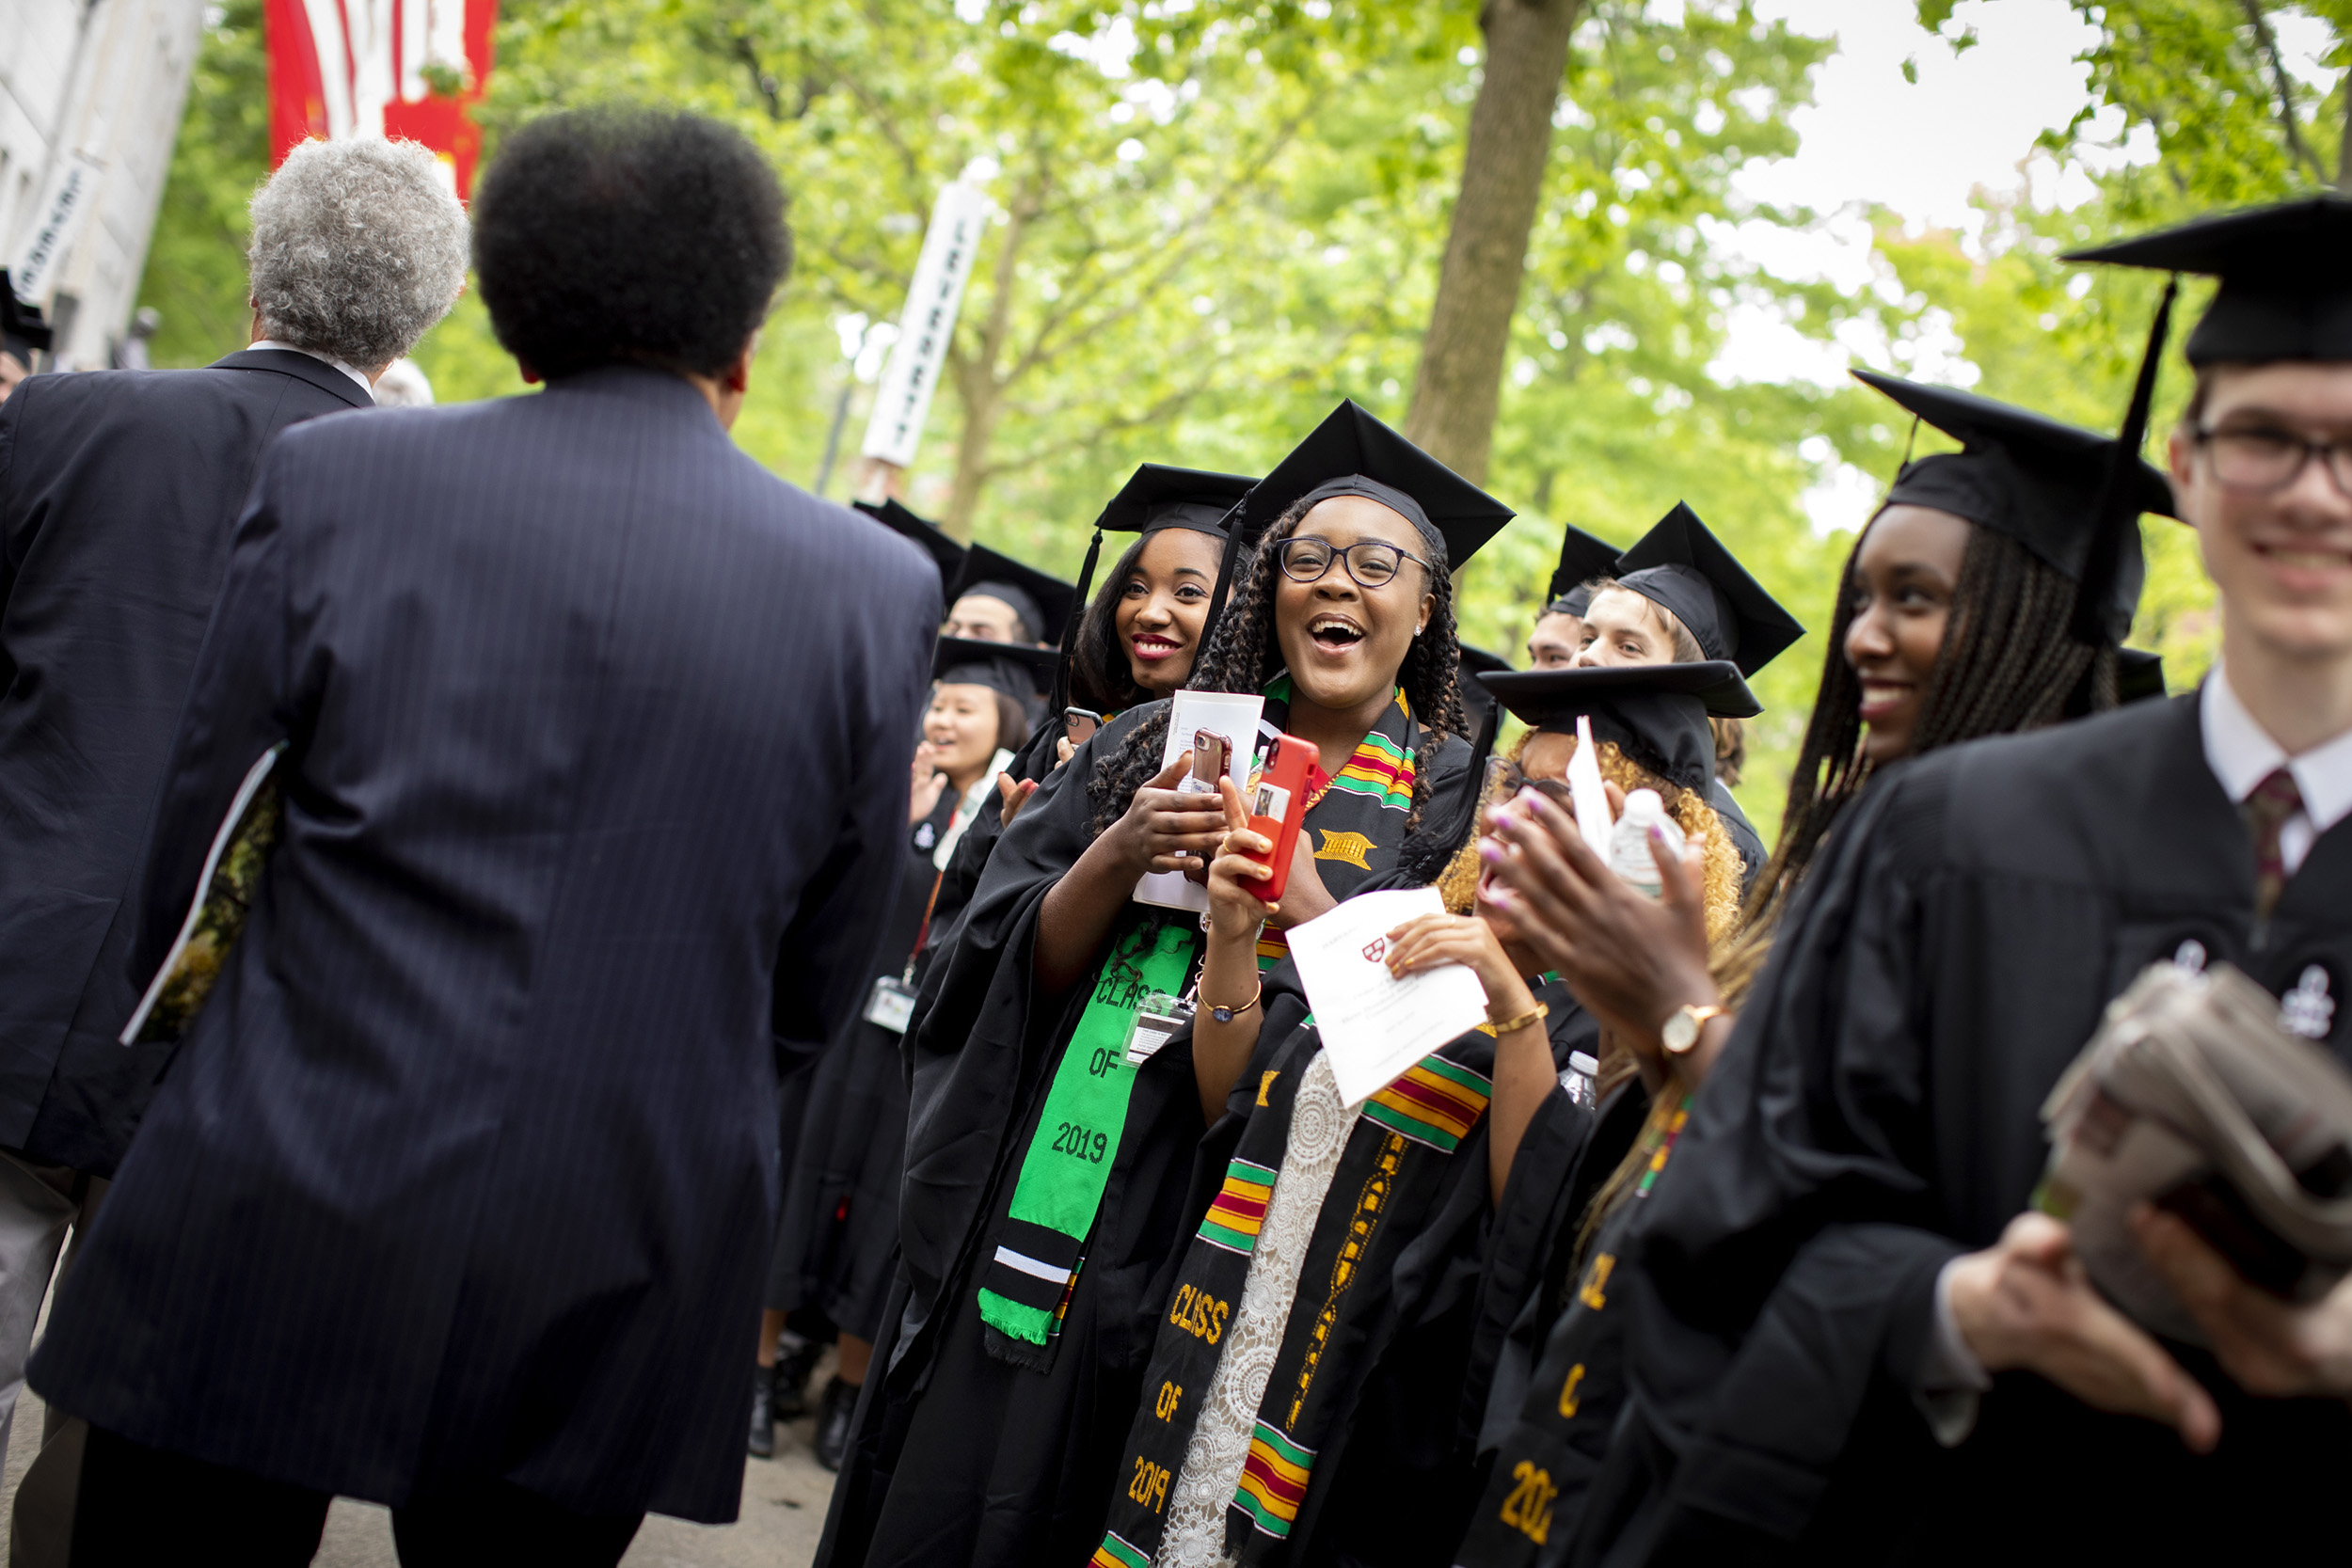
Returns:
<point x="1034" y="1258"/>
<point x="1025" y="1284"/>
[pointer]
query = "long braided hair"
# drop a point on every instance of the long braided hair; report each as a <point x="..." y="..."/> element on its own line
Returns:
<point x="1244" y="654"/>
<point x="2008" y="663"/>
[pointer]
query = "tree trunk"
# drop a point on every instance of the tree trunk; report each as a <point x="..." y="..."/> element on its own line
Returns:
<point x="1460" y="381"/>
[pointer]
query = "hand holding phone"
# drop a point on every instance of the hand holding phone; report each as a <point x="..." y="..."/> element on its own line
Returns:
<point x="1278" y="809"/>
<point x="1079" y="724"/>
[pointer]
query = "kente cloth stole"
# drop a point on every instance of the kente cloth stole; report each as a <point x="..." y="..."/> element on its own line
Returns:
<point x="1544" y="1470"/>
<point x="1391" y="1174"/>
<point x="1356" y="827"/>
<point x="1026" y="1284"/>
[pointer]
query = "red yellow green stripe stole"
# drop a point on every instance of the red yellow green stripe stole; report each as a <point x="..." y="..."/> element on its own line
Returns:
<point x="1400" y="1171"/>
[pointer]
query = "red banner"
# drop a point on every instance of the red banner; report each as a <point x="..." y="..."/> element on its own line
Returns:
<point x="402" y="68"/>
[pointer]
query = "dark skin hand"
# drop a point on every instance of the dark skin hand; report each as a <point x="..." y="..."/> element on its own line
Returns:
<point x="1229" y="959"/>
<point x="1630" y="961"/>
<point x="1523" y="1073"/>
<point x="1162" y="830"/>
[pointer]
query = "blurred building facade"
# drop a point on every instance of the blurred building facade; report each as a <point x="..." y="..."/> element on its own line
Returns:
<point x="90" y="97"/>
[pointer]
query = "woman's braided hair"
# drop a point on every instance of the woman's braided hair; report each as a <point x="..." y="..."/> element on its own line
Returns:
<point x="1244" y="654"/>
<point x="2008" y="663"/>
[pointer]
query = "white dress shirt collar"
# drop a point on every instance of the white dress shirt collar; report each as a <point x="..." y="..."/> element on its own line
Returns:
<point x="2242" y="754"/>
<point x="365" y="384"/>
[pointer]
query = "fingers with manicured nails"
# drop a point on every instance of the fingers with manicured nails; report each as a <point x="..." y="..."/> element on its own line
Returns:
<point x="1236" y="815"/>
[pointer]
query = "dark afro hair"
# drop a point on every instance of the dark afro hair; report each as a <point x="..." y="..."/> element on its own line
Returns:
<point x="629" y="235"/>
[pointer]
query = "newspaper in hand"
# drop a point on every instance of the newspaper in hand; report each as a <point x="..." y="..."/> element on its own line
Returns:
<point x="2192" y="1097"/>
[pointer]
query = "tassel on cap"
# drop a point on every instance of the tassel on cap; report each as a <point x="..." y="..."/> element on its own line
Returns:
<point x="2117" y="510"/>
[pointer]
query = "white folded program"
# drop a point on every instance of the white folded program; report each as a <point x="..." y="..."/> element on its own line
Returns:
<point x="2193" y="1096"/>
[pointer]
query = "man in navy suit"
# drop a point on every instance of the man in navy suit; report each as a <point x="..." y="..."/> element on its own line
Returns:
<point x="458" y="1194"/>
<point x="119" y="494"/>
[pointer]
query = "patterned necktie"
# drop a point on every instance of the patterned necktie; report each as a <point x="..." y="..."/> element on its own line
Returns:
<point x="2274" y="800"/>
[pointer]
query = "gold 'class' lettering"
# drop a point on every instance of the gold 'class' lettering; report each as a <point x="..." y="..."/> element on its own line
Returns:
<point x="1528" y="1509"/>
<point x="1169" y="1395"/>
<point x="1591" y="1294"/>
<point x="1567" y="1389"/>
<point x="1199" y="1314"/>
<point x="1150" y="1484"/>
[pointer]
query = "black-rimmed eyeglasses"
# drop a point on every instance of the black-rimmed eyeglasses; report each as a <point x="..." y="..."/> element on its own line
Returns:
<point x="1370" y="562"/>
<point x="2259" y="461"/>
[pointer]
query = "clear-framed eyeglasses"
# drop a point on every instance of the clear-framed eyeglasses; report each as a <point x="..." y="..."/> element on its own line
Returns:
<point x="1373" y="564"/>
<point x="2261" y="460"/>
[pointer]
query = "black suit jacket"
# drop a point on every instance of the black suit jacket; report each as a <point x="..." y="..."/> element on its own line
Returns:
<point x="118" y="492"/>
<point x="596" y="783"/>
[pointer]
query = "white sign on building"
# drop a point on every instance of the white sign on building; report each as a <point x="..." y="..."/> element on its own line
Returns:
<point x="903" y="399"/>
<point x="64" y="206"/>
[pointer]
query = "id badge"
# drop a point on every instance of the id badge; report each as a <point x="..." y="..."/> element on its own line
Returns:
<point x="891" y="1005"/>
<point x="1159" y="1018"/>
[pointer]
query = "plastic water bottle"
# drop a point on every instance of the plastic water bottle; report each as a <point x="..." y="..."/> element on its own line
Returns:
<point x="1630" y="854"/>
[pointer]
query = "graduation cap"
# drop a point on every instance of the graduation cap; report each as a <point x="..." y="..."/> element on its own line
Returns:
<point x="933" y="539"/>
<point x="2283" y="296"/>
<point x="1656" y="713"/>
<point x="22" y="330"/>
<point x="1351" y="453"/>
<point x="1043" y="603"/>
<point x="2286" y="292"/>
<point x="2037" y="481"/>
<point x="1683" y="567"/>
<point x="1018" y="672"/>
<point x="1477" y="662"/>
<point x="1582" y="558"/>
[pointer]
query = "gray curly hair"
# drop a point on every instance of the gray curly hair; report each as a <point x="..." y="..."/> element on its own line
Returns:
<point x="359" y="247"/>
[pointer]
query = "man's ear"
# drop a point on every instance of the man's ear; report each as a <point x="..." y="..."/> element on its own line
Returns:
<point x="737" y="377"/>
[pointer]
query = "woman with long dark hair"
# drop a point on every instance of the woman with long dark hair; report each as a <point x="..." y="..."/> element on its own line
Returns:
<point x="1046" y="1173"/>
<point x="1954" y="621"/>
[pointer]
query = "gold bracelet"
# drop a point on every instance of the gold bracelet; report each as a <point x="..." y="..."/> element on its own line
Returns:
<point x="1534" y="1015"/>
<point x="1227" y="1015"/>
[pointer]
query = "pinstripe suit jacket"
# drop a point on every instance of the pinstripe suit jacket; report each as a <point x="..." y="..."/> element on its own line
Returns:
<point x="118" y="494"/>
<point x="599" y="769"/>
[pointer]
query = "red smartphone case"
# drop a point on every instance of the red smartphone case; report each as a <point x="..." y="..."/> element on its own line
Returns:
<point x="1280" y="806"/>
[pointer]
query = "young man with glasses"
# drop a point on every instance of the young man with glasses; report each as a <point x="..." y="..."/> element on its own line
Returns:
<point x="1857" y="1335"/>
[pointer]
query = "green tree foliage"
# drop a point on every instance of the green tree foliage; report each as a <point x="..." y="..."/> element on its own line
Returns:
<point x="1216" y="217"/>
<point x="2232" y="126"/>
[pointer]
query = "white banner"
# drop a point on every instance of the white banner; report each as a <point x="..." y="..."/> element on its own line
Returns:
<point x="71" y="192"/>
<point x="928" y="325"/>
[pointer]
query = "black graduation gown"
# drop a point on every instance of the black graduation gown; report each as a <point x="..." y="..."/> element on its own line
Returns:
<point x="839" y="1240"/>
<point x="1539" y="1202"/>
<point x="958" y="1456"/>
<point x="1877" y="1114"/>
<point x="1744" y="837"/>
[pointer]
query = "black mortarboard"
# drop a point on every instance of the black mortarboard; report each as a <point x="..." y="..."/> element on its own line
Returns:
<point x="930" y="535"/>
<point x="2031" y="478"/>
<point x="1582" y="558"/>
<point x="22" y="330"/>
<point x="1656" y="713"/>
<point x="2286" y="289"/>
<point x="1043" y="603"/>
<point x="1477" y="662"/>
<point x="2138" y="676"/>
<point x="1351" y="453"/>
<point x="1681" y="566"/>
<point x="1019" y="673"/>
<point x="1156" y="497"/>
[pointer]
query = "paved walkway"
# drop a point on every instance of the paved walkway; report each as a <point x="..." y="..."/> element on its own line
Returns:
<point x="783" y="1510"/>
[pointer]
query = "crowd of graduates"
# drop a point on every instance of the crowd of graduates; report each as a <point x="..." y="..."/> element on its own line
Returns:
<point x="1701" y="1248"/>
<point x="548" y="793"/>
